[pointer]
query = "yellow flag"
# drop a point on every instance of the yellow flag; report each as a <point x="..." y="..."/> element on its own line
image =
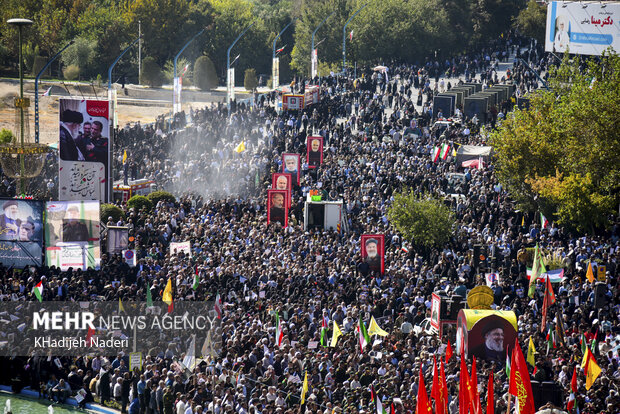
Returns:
<point x="530" y="353"/>
<point x="124" y="156"/>
<point x="590" y="367"/>
<point x="590" y="273"/>
<point x="523" y="221"/>
<point x="337" y="333"/>
<point x="374" y="329"/>
<point x="304" y="389"/>
<point x="167" y="296"/>
<point x="120" y="306"/>
<point x="240" y="148"/>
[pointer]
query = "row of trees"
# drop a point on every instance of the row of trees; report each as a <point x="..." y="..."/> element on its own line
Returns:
<point x="386" y="30"/>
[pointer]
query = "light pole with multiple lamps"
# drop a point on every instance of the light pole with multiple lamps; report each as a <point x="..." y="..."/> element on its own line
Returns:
<point x="20" y="158"/>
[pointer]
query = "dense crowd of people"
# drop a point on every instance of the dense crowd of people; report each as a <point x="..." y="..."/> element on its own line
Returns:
<point x="378" y="139"/>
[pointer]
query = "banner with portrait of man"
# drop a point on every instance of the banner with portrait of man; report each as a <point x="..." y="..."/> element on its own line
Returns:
<point x="485" y="334"/>
<point x="21" y="232"/>
<point x="314" y="151"/>
<point x="373" y="252"/>
<point x="83" y="150"/>
<point x="72" y="233"/>
<point x="282" y="181"/>
<point x="291" y="165"/>
<point x="277" y="210"/>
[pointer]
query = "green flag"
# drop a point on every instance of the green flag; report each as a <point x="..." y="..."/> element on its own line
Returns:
<point x="149" y="299"/>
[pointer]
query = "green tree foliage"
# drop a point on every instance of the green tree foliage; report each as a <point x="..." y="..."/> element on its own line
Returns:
<point x="111" y="210"/>
<point x="6" y="136"/>
<point x="204" y="74"/>
<point x="139" y="202"/>
<point x="81" y="54"/>
<point x="71" y="72"/>
<point x="424" y="221"/>
<point x="532" y="21"/>
<point x="250" y="82"/>
<point x="156" y="196"/>
<point x="151" y="72"/>
<point x="562" y="155"/>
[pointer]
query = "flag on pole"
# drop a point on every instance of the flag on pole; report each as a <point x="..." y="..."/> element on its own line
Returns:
<point x="490" y="395"/>
<point x="523" y="221"/>
<point x="240" y="148"/>
<point x="573" y="381"/>
<point x="217" y="306"/>
<point x="190" y="356"/>
<point x="167" y="296"/>
<point x="324" y="332"/>
<point x="507" y="364"/>
<point x="571" y="402"/>
<point x="550" y="340"/>
<point x="436" y="152"/>
<point x="555" y="276"/>
<point x="520" y="385"/>
<point x="304" y="389"/>
<point x="196" y="279"/>
<point x="335" y="335"/>
<point x="474" y="388"/>
<point x="531" y="351"/>
<point x="535" y="271"/>
<point x="445" y="150"/>
<point x="149" y="298"/>
<point x="362" y="336"/>
<point x="594" y="343"/>
<point x="279" y="330"/>
<point x="448" y="352"/>
<point x="281" y="49"/>
<point x="590" y="368"/>
<point x="38" y="291"/>
<point x="422" y="404"/>
<point x="374" y="329"/>
<point x="185" y="70"/>
<point x="47" y="92"/>
<point x="437" y="389"/>
<point x="121" y="308"/>
<point x="583" y="344"/>
<point x="543" y="221"/>
<point x="351" y="35"/>
<point x="89" y="336"/>
<point x="548" y="300"/>
<point x="590" y="272"/>
<point x="464" y="399"/>
<point x="444" y="388"/>
<point x="124" y="156"/>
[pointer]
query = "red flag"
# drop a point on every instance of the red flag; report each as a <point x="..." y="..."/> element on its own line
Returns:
<point x="89" y="336"/>
<point x="547" y="301"/>
<point x="463" y="387"/>
<point x="474" y="386"/>
<point x="392" y="410"/>
<point x="520" y="385"/>
<point x="448" y="352"/>
<point x="490" y="395"/>
<point x="437" y="389"/>
<point x="444" y="389"/>
<point x="422" y="404"/>
<point x="573" y="381"/>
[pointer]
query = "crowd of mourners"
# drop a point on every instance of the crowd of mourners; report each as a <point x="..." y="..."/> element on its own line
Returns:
<point x="379" y="136"/>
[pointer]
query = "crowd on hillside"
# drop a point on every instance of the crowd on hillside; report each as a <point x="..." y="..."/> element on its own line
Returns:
<point x="379" y="136"/>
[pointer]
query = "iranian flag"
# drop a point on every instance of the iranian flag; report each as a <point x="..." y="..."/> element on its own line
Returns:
<point x="218" y="306"/>
<point x="543" y="221"/>
<point x="436" y="152"/>
<point x="445" y="150"/>
<point x="362" y="336"/>
<point x="279" y="332"/>
<point x="38" y="291"/>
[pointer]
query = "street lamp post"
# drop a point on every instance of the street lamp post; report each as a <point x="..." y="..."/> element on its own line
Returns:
<point x="36" y="91"/>
<point x="176" y="102"/>
<point x="312" y="56"/>
<point x="111" y="125"/>
<point x="275" y="71"/>
<point x="344" y="37"/>
<point x="228" y="80"/>
<point x="20" y="23"/>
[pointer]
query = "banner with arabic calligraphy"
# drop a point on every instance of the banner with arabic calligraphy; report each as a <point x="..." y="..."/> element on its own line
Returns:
<point x="72" y="234"/>
<point x="582" y="28"/>
<point x="83" y="150"/>
<point x="21" y="232"/>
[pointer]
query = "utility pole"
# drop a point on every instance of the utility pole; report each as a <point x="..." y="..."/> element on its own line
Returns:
<point x="140" y="52"/>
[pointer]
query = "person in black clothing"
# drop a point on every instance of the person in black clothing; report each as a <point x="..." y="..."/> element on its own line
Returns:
<point x="72" y="228"/>
<point x="69" y="133"/>
<point x="277" y="212"/>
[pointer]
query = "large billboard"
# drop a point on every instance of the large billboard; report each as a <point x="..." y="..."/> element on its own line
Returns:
<point x="21" y="232"/>
<point x="72" y="234"/>
<point x="83" y="150"/>
<point x="582" y="28"/>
